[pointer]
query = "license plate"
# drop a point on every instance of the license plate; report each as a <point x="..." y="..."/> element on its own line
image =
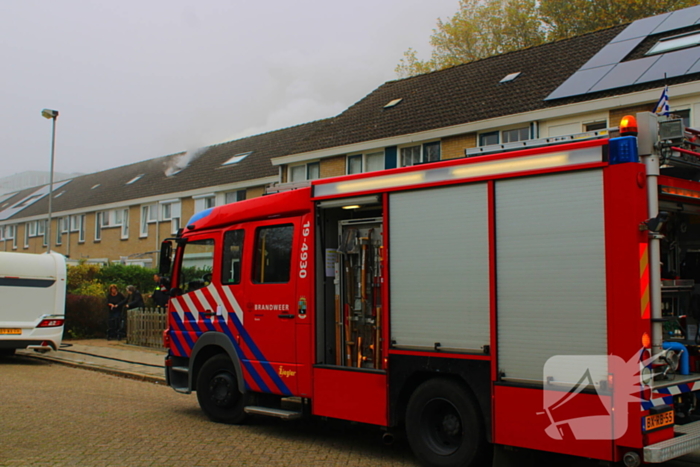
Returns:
<point x="10" y="331"/>
<point x="658" y="420"/>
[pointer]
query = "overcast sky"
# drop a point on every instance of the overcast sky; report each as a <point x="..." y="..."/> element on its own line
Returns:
<point x="134" y="80"/>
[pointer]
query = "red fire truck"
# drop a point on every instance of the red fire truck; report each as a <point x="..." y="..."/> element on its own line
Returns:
<point x="543" y="297"/>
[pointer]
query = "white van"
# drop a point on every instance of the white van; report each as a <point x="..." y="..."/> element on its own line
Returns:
<point x="32" y="301"/>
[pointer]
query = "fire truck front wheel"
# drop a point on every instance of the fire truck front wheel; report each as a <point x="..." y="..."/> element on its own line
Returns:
<point x="444" y="426"/>
<point x="217" y="391"/>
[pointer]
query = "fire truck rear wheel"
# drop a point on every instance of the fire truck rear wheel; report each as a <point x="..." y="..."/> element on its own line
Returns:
<point x="217" y="391"/>
<point x="444" y="426"/>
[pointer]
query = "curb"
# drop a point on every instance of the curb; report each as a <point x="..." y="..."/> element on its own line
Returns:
<point x="101" y="369"/>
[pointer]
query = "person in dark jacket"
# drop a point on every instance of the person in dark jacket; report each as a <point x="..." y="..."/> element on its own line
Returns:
<point x="134" y="299"/>
<point x="115" y="306"/>
<point x="162" y="291"/>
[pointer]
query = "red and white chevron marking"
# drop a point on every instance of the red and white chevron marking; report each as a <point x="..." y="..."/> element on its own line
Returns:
<point x="212" y="298"/>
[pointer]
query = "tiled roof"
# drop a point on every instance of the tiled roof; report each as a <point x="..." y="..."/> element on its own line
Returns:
<point x="469" y="93"/>
<point x="455" y="96"/>
<point x="205" y="170"/>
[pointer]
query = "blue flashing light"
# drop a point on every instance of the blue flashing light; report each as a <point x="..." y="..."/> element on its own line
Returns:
<point x="623" y="150"/>
<point x="199" y="215"/>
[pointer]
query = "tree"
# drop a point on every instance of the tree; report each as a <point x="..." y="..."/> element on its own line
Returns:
<point x="482" y="28"/>
<point x="567" y="18"/>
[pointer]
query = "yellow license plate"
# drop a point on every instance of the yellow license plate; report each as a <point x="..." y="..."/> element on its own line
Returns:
<point x="10" y="331"/>
<point x="658" y="420"/>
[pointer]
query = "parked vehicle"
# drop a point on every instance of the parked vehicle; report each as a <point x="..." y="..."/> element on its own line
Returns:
<point x="32" y="301"/>
<point x="508" y="297"/>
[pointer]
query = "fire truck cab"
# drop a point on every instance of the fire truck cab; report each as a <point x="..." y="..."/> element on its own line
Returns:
<point x="542" y="298"/>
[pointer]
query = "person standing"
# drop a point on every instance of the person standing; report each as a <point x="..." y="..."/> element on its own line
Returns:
<point x="162" y="291"/>
<point x="134" y="300"/>
<point x="115" y="305"/>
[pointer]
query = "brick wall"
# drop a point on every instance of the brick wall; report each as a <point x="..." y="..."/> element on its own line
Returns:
<point x="454" y="146"/>
<point x="255" y="192"/>
<point x="333" y="166"/>
<point x="617" y="114"/>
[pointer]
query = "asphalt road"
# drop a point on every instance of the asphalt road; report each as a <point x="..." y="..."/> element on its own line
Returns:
<point x="54" y="415"/>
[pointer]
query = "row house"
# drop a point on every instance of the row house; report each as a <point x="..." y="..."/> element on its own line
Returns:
<point x="582" y="84"/>
<point x="122" y="214"/>
<point x="586" y="83"/>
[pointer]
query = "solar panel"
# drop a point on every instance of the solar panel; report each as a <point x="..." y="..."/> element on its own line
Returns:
<point x="673" y="64"/>
<point x="612" y="53"/>
<point x="679" y="19"/>
<point x="607" y="71"/>
<point x="624" y="74"/>
<point x="641" y="27"/>
<point x="694" y="69"/>
<point x="580" y="82"/>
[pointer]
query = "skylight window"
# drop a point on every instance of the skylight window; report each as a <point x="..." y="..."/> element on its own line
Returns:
<point x="136" y="178"/>
<point x="393" y="103"/>
<point x="237" y="158"/>
<point x="676" y="42"/>
<point x="510" y="77"/>
<point x="95" y="186"/>
<point x="59" y="194"/>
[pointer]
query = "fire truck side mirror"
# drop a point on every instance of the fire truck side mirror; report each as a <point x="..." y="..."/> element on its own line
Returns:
<point x="166" y="251"/>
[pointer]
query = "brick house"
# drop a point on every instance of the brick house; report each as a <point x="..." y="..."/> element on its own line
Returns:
<point x="585" y="83"/>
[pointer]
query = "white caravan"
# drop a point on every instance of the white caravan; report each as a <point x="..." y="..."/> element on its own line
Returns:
<point x="32" y="301"/>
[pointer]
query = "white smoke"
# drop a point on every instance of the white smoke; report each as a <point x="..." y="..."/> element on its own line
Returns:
<point x="180" y="162"/>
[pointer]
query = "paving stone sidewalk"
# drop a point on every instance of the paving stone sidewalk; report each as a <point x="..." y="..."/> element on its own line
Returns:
<point x="115" y="357"/>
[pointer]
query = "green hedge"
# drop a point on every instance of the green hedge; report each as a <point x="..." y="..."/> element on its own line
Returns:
<point x="86" y="317"/>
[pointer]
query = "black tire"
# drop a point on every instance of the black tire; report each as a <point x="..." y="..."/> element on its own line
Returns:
<point x="444" y="426"/>
<point x="7" y="352"/>
<point x="217" y="391"/>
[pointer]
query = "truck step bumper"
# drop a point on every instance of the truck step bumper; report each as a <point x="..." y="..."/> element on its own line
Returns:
<point x="687" y="440"/>
<point x="279" y="413"/>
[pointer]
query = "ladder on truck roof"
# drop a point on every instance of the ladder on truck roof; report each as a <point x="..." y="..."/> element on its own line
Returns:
<point x="536" y="143"/>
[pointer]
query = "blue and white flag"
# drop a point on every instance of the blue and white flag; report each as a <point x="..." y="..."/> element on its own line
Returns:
<point x="662" y="107"/>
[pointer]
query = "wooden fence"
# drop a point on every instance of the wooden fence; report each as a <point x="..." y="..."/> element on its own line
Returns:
<point x="145" y="327"/>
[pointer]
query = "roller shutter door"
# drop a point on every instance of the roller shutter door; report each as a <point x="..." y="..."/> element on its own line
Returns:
<point x="550" y="256"/>
<point x="439" y="268"/>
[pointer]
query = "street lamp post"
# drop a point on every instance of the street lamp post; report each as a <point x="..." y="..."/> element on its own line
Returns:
<point x="50" y="114"/>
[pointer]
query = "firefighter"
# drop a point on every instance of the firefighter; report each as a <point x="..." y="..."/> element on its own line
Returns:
<point x="162" y="291"/>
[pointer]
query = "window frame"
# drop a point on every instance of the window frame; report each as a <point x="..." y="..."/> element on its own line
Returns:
<point x="483" y="137"/>
<point x="204" y="202"/>
<point x="519" y="130"/>
<point x="125" y="224"/>
<point x="255" y="270"/>
<point x="422" y="153"/>
<point x="307" y="168"/>
<point x="595" y="125"/>
<point x="226" y="259"/>
<point x="364" y="160"/>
